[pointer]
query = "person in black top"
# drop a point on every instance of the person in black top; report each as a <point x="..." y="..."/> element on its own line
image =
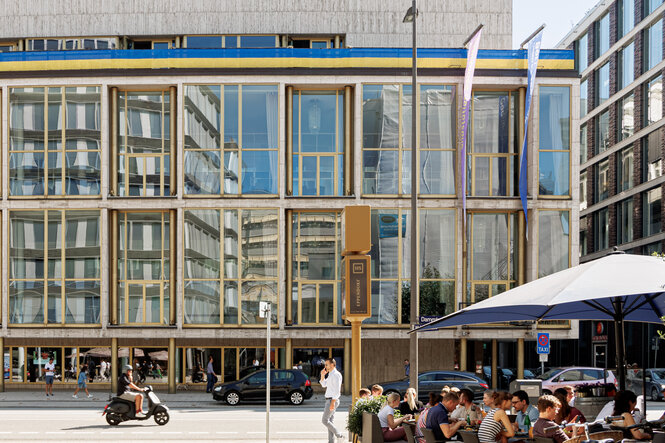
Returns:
<point x="125" y="387"/>
<point x="411" y="404"/>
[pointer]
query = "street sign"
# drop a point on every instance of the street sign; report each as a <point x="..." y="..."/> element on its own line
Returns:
<point x="543" y="357"/>
<point x="543" y="343"/>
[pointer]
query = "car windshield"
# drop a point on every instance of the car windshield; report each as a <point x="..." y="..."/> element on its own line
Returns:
<point x="549" y="374"/>
<point x="658" y="374"/>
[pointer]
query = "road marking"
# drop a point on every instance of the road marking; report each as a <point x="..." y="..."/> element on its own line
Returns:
<point x="28" y="432"/>
<point x="256" y="432"/>
<point x="170" y="432"/>
<point x="55" y="432"/>
<point x="83" y="432"/>
<point x="141" y="432"/>
<point x="226" y="432"/>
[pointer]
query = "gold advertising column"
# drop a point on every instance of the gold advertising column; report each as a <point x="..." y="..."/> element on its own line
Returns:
<point x="462" y="354"/>
<point x="346" y="387"/>
<point x="114" y="365"/>
<point x="289" y="353"/>
<point x="171" y="373"/>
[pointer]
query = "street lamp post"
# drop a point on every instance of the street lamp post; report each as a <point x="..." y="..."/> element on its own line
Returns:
<point x="411" y="16"/>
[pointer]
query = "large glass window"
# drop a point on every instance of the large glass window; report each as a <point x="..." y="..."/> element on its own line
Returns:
<point x="553" y="242"/>
<point x="602" y="132"/>
<point x="230" y="265"/>
<point x="143" y="267"/>
<point x="651" y="5"/>
<point x="144" y="143"/>
<point x="626" y="124"/>
<point x="652" y="155"/>
<point x="584" y="147"/>
<point x="625" y="221"/>
<point x="654" y="100"/>
<point x="582" y="53"/>
<point x="71" y="44"/>
<point x="54" y="265"/>
<point x="626" y="13"/>
<point x="316" y="259"/>
<point x="653" y="45"/>
<point x="387" y="139"/>
<point x="584" y="97"/>
<point x="493" y="167"/>
<point x="554" y="136"/>
<point x="651" y="212"/>
<point x="603" y="35"/>
<point x="231" y="139"/>
<point x="601" y="226"/>
<point x="626" y="66"/>
<point x="318" y="143"/>
<point x="601" y="181"/>
<point x="603" y="84"/>
<point x="54" y="141"/>
<point x="625" y="169"/>
<point x="492" y="257"/>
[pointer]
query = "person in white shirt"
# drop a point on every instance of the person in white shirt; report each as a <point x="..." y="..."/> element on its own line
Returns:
<point x="331" y="379"/>
<point x="49" y="368"/>
<point x="102" y="371"/>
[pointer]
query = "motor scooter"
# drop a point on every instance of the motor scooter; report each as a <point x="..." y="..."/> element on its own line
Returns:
<point x="119" y="410"/>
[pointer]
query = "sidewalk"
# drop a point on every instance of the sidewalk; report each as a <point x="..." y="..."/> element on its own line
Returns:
<point x="183" y="399"/>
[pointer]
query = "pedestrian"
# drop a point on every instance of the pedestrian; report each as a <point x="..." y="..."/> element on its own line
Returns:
<point x="83" y="376"/>
<point x="92" y="370"/>
<point x="49" y="369"/>
<point x="212" y="377"/>
<point x="331" y="379"/>
<point x="407" y="367"/>
<point x="102" y="370"/>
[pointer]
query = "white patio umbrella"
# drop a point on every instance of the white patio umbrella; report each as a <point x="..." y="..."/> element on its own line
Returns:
<point x="618" y="287"/>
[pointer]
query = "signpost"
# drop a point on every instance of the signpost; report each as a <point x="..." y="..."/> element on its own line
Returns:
<point x="543" y="349"/>
<point x="264" y="312"/>
<point x="356" y="235"/>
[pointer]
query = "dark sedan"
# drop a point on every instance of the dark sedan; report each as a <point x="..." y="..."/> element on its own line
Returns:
<point x="434" y="381"/>
<point x="655" y="382"/>
<point x="285" y="384"/>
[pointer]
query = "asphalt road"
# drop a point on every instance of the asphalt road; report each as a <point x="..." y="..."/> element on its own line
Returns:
<point x="224" y="423"/>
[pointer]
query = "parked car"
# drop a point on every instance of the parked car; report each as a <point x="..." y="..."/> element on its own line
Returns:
<point x="291" y="385"/>
<point x="434" y="381"/>
<point x="575" y="376"/>
<point x="505" y="376"/>
<point x="655" y="382"/>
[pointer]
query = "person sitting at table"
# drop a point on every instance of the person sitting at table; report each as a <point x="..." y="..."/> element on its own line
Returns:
<point x="486" y="406"/>
<point x="445" y="390"/>
<point x="411" y="404"/>
<point x="377" y="391"/>
<point x="391" y="426"/>
<point x="438" y="420"/>
<point x="624" y="405"/>
<point x="466" y="409"/>
<point x="496" y="424"/>
<point x="567" y="412"/>
<point x="434" y="399"/>
<point x="548" y="405"/>
<point x="521" y="404"/>
<point x="364" y="393"/>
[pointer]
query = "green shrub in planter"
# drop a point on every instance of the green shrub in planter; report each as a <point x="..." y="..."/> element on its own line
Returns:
<point x="372" y="405"/>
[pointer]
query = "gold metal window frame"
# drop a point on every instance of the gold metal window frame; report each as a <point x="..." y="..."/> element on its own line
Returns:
<point x="63" y="151"/>
<point x="570" y="143"/>
<point x="122" y="256"/>
<point x="238" y="150"/>
<point x="221" y="349"/>
<point x="124" y="155"/>
<point x="45" y="280"/>
<point x="401" y="150"/>
<point x="222" y="280"/>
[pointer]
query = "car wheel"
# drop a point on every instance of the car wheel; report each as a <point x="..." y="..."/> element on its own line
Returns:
<point x="654" y="394"/>
<point x="232" y="398"/>
<point x="296" y="397"/>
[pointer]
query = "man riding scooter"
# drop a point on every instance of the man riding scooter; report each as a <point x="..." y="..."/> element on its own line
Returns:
<point x="125" y="387"/>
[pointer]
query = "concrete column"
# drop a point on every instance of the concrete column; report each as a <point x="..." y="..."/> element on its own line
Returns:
<point x="346" y="387"/>
<point x="2" y="353"/>
<point x="114" y="365"/>
<point x="289" y="353"/>
<point x="520" y="358"/>
<point x="495" y="346"/>
<point x="171" y="374"/>
<point x="462" y="354"/>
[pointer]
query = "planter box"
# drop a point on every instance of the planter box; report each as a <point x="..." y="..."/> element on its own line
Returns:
<point x="591" y="406"/>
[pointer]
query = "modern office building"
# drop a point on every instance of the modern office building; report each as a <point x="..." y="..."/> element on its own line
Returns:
<point x="166" y="169"/>
<point x="619" y="55"/>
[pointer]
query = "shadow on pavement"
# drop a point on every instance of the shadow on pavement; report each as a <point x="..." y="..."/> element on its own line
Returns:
<point x="105" y="426"/>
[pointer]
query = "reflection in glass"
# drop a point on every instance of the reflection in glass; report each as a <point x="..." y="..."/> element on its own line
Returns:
<point x="553" y="241"/>
<point x="254" y="292"/>
<point x="603" y="85"/>
<point x="654" y="100"/>
<point x="626" y="119"/>
<point x="582" y="53"/>
<point x="554" y="173"/>
<point x="627" y="65"/>
<point x="625" y="221"/>
<point x="652" y="205"/>
<point x="437" y="244"/>
<point x="654" y="44"/>
<point x="554" y="118"/>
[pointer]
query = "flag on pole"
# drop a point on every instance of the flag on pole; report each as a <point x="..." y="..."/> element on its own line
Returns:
<point x="533" y="55"/>
<point x="471" y="55"/>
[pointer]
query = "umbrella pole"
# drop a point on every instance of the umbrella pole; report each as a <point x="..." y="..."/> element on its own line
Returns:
<point x="620" y="344"/>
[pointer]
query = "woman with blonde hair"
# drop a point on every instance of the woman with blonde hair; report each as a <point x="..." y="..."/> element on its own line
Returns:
<point x="411" y="404"/>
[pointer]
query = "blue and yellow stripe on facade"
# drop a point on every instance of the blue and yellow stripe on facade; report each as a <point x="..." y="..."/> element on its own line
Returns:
<point x="346" y="58"/>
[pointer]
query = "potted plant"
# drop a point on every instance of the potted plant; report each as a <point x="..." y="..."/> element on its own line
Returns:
<point x="371" y="405"/>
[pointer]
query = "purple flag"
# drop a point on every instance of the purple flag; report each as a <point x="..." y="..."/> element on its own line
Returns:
<point x="472" y="53"/>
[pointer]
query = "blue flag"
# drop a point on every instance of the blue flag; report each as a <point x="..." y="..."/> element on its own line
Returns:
<point x="533" y="55"/>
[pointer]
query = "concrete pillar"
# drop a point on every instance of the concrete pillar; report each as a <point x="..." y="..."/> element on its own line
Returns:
<point x="2" y="353"/>
<point x="520" y="358"/>
<point x="171" y="373"/>
<point x="346" y="387"/>
<point x="462" y="354"/>
<point x="289" y="353"/>
<point x="114" y="365"/>
<point x="495" y="347"/>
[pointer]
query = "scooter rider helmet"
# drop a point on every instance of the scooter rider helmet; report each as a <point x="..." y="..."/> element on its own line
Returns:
<point x="128" y="368"/>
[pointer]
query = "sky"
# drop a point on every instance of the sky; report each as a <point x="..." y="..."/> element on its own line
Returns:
<point x="559" y="15"/>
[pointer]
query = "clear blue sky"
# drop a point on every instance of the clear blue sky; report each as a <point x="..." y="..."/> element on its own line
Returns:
<point x="559" y="15"/>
